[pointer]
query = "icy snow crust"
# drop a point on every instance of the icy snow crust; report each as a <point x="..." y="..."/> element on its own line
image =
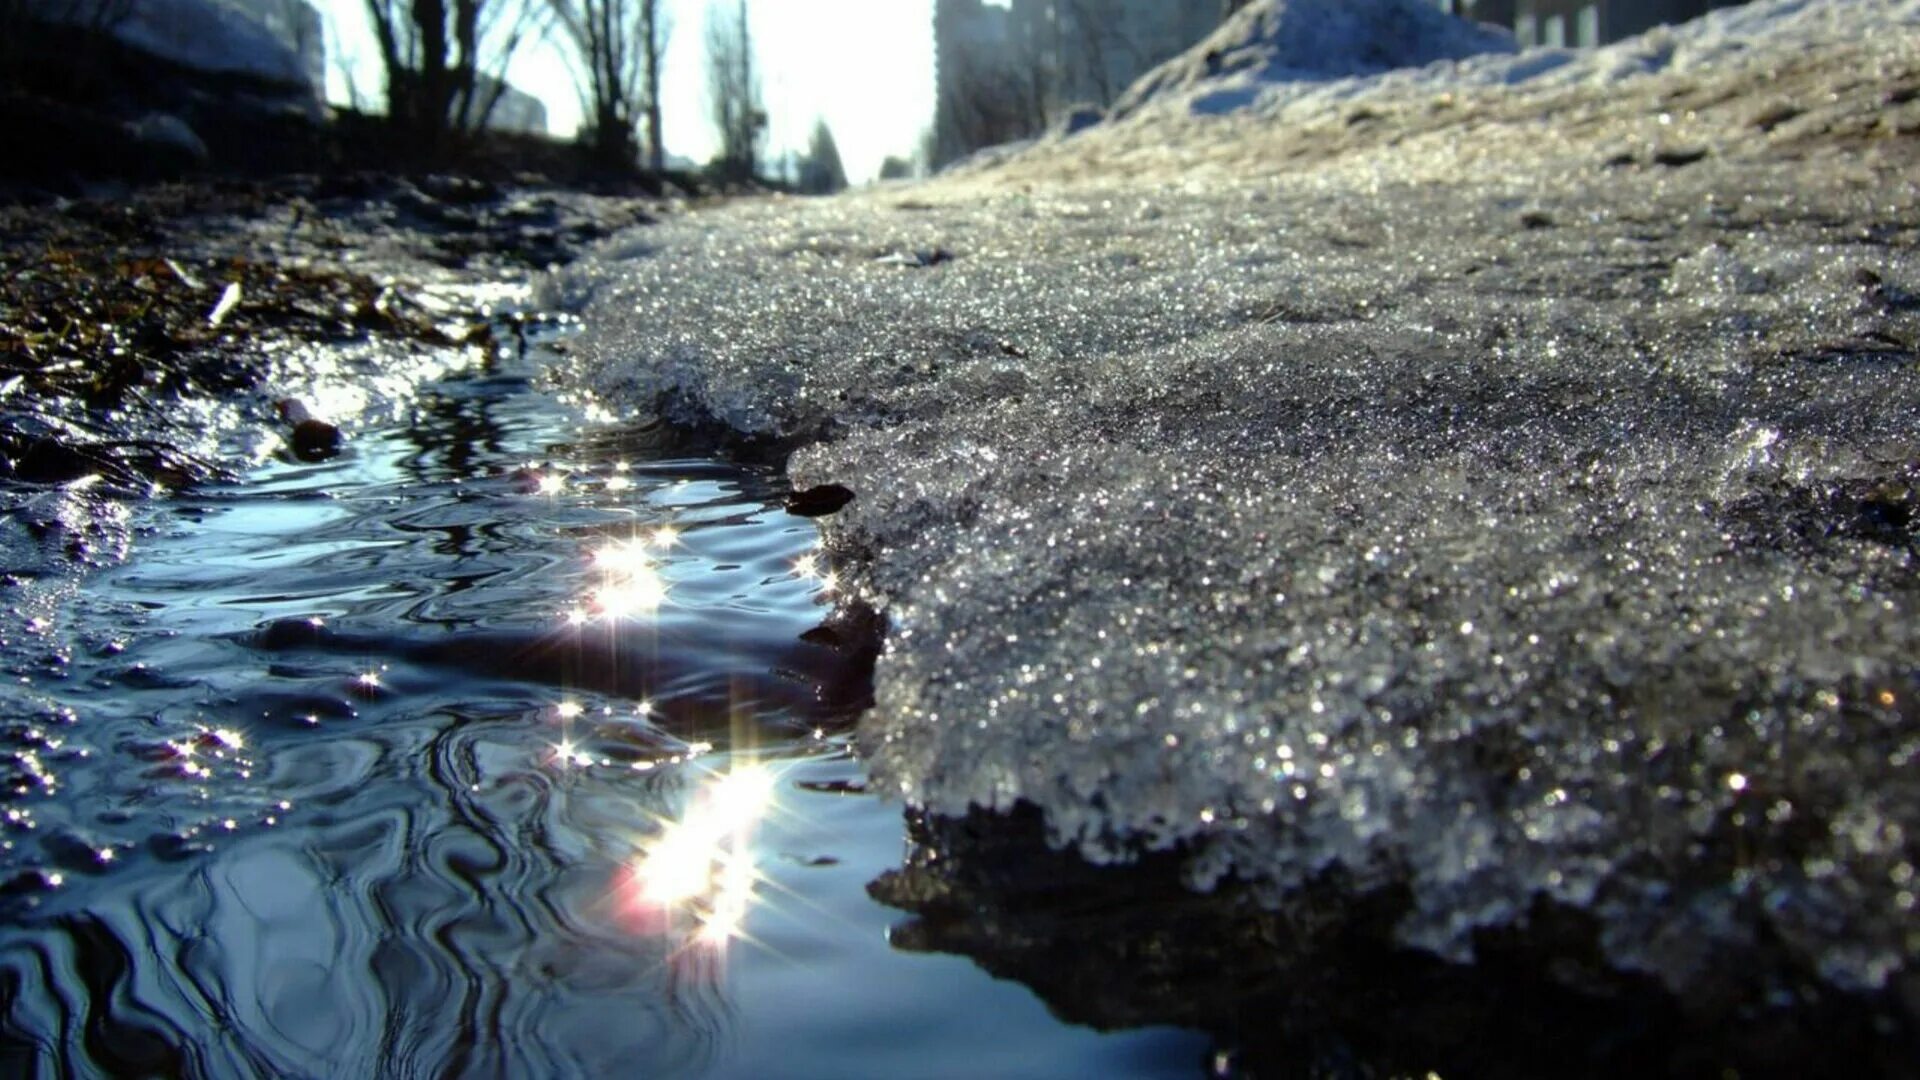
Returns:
<point x="1473" y="493"/>
<point x="1278" y="56"/>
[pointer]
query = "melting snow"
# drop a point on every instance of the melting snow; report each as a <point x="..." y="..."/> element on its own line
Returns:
<point x="1503" y="492"/>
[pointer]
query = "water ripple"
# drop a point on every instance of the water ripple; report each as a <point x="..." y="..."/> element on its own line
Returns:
<point x="356" y="800"/>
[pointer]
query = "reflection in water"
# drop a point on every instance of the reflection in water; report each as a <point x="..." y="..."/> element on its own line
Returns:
<point x="695" y="879"/>
<point x="1316" y="987"/>
<point x="630" y="583"/>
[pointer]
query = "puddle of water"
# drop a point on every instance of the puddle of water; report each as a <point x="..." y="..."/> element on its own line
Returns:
<point x="443" y="758"/>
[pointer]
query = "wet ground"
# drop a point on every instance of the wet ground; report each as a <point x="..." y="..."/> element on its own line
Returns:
<point x="1461" y="580"/>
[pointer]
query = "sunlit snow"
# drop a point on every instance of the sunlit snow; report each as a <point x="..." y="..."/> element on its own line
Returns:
<point x="1496" y="478"/>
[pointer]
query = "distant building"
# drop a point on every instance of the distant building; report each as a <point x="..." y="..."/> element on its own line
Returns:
<point x="1498" y="12"/>
<point x="971" y="49"/>
<point x="1580" y="23"/>
<point x="1007" y="72"/>
<point x="1097" y="48"/>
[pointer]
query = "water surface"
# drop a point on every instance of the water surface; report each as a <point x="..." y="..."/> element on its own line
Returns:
<point x="499" y="745"/>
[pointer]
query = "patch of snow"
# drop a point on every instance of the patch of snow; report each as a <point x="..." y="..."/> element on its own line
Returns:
<point x="1292" y="41"/>
<point x="216" y="36"/>
<point x="1463" y="494"/>
<point x="1279" y="55"/>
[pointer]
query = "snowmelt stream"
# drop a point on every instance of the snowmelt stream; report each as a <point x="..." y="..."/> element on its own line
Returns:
<point x="377" y="766"/>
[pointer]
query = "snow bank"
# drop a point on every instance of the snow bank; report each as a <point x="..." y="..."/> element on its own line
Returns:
<point x="1287" y="41"/>
<point x="214" y="36"/>
<point x="1280" y="54"/>
<point x="1544" y="529"/>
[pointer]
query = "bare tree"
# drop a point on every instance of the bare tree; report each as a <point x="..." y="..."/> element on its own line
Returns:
<point x="1005" y="73"/>
<point x="733" y="88"/>
<point x="653" y="51"/>
<point x="446" y="60"/>
<point x="988" y="99"/>
<point x="996" y="74"/>
<point x="1104" y="46"/>
<point x="617" y="47"/>
<point x="996" y="104"/>
<point x="1095" y="33"/>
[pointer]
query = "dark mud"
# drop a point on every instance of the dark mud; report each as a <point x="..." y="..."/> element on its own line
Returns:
<point x="138" y="328"/>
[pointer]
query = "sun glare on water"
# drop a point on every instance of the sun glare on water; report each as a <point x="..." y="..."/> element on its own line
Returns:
<point x="697" y="875"/>
<point x="630" y="586"/>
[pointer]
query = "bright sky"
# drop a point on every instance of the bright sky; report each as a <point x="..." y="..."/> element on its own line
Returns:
<point x="865" y="66"/>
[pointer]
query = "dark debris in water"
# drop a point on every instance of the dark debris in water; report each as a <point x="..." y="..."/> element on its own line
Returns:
<point x="819" y="500"/>
<point x="127" y="466"/>
<point x="101" y="329"/>
<point x="832" y="787"/>
<point x="315" y="440"/>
